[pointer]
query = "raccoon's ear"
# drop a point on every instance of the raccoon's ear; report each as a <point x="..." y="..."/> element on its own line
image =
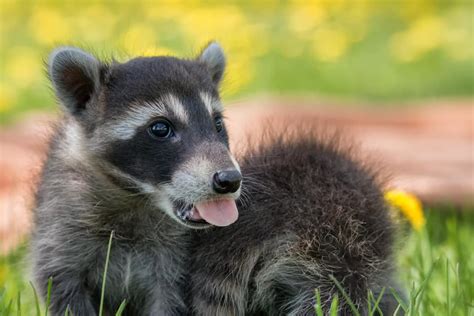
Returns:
<point x="75" y="75"/>
<point x="214" y="58"/>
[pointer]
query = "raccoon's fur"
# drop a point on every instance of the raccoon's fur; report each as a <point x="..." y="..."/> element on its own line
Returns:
<point x="137" y="152"/>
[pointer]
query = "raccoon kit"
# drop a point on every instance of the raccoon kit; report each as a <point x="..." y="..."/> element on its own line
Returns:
<point x="142" y="150"/>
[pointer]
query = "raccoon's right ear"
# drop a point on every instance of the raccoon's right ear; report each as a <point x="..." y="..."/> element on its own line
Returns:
<point x="75" y="75"/>
<point x="213" y="57"/>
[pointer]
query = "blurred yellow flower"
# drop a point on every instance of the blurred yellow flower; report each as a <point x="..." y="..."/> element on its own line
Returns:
<point x="242" y="40"/>
<point x="409" y="205"/>
<point x="413" y="9"/>
<point x="330" y="44"/>
<point x="159" y="51"/>
<point x="241" y="70"/>
<point x="250" y="32"/>
<point x="304" y="17"/>
<point x="138" y="39"/>
<point x="94" y="24"/>
<point x="49" y="26"/>
<point x="459" y="37"/>
<point x="424" y="35"/>
<point x="202" y="24"/>
<point x="170" y="11"/>
<point x="23" y="66"/>
<point x="459" y="44"/>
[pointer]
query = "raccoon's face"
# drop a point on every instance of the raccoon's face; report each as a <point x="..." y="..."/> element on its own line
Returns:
<point x="153" y="126"/>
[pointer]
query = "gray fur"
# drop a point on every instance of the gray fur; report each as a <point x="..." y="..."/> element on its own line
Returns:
<point x="307" y="209"/>
<point x="214" y="58"/>
<point x="65" y="66"/>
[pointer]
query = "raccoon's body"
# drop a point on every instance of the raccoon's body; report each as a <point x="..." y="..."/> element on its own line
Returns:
<point x="308" y="212"/>
<point x="142" y="151"/>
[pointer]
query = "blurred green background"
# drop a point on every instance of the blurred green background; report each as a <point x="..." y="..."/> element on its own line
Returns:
<point x="362" y="50"/>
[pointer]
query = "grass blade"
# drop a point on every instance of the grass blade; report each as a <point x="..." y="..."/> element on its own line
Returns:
<point x="376" y="307"/>
<point x="48" y="296"/>
<point x="421" y="290"/>
<point x="37" y="305"/>
<point x="370" y="298"/>
<point x="333" y="311"/>
<point x="346" y="297"/>
<point x="121" y="308"/>
<point x="18" y="304"/>
<point x="8" y="310"/>
<point x="412" y="300"/>
<point x="318" y="307"/>
<point x="395" y="313"/>
<point x="401" y="302"/>
<point x="104" y="278"/>
<point x="2" y="296"/>
<point x="448" y="302"/>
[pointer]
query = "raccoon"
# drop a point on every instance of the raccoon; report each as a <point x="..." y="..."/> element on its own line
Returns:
<point x="142" y="151"/>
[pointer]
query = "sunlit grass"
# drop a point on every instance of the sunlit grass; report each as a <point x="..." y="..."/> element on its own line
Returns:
<point x="441" y="254"/>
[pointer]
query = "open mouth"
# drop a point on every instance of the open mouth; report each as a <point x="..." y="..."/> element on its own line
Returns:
<point x="222" y="212"/>
<point x="189" y="214"/>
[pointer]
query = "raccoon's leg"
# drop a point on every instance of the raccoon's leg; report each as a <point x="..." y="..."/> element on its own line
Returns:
<point x="288" y="286"/>
<point x="166" y="311"/>
<point x="218" y="295"/>
<point x="221" y="285"/>
<point x="164" y="305"/>
<point x="67" y="291"/>
<point x="67" y="262"/>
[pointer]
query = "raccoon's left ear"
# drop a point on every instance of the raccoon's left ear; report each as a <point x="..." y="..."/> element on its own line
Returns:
<point x="76" y="77"/>
<point x="214" y="58"/>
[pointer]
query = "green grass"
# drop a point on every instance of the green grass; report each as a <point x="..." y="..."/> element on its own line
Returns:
<point x="436" y="266"/>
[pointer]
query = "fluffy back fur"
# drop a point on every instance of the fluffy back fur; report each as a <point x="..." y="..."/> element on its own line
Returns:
<point x="307" y="210"/>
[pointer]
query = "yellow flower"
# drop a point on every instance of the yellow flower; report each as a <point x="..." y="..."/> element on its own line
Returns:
<point x="49" y="26"/>
<point x="304" y="17"/>
<point x="139" y="38"/>
<point x="459" y="38"/>
<point x="94" y="24"/>
<point x="330" y="44"/>
<point x="24" y="66"/>
<point x="159" y="51"/>
<point x="424" y="35"/>
<point x="409" y="205"/>
<point x="241" y="72"/>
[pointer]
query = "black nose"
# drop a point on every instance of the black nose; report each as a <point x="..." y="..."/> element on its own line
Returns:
<point x="226" y="181"/>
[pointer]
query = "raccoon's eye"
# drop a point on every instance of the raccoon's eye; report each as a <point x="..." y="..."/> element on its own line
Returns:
<point x="219" y="123"/>
<point x="161" y="129"/>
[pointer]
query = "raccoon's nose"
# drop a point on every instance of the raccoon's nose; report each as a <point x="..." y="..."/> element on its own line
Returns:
<point x="226" y="181"/>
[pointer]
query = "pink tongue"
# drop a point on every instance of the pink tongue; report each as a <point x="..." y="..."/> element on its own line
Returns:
<point x="218" y="213"/>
